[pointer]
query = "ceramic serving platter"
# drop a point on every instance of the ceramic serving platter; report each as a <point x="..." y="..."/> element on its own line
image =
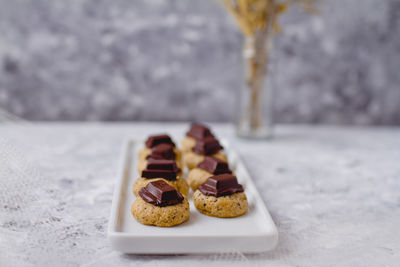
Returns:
<point x="253" y="232"/>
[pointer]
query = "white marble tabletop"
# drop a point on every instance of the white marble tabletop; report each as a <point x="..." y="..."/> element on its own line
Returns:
<point x="334" y="193"/>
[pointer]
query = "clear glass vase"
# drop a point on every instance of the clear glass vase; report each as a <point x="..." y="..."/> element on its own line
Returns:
<point x="255" y="118"/>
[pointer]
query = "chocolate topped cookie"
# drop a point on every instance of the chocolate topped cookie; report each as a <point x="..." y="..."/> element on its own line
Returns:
<point x="209" y="167"/>
<point x="154" y="140"/>
<point x="221" y="196"/>
<point x="162" y="151"/>
<point x="195" y="133"/>
<point x="161" y="194"/>
<point x="207" y="146"/>
<point x="192" y="159"/>
<point x="199" y="131"/>
<point x="161" y="168"/>
<point x="221" y="185"/>
<point x="161" y="205"/>
<point x="214" y="165"/>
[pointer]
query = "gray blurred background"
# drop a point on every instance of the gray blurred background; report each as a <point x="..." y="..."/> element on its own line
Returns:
<point x="181" y="60"/>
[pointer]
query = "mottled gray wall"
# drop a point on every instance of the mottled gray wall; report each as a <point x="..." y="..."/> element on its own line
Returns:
<point x="178" y="60"/>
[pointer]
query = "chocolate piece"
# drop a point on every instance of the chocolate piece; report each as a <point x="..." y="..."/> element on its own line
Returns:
<point x="161" y="168"/>
<point x="162" y="164"/>
<point x="154" y="140"/>
<point x="221" y="185"/>
<point x="162" y="151"/>
<point x="207" y="146"/>
<point x="214" y="166"/>
<point x="161" y="194"/>
<point x="198" y="131"/>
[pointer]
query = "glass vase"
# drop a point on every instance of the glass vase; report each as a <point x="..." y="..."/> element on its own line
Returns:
<point x="255" y="118"/>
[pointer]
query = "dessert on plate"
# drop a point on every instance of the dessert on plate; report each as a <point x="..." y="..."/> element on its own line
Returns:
<point x="161" y="151"/>
<point x="161" y="169"/>
<point x="209" y="167"/>
<point x="160" y="204"/>
<point x="221" y="196"/>
<point x="155" y="140"/>
<point x="196" y="132"/>
<point x="208" y="146"/>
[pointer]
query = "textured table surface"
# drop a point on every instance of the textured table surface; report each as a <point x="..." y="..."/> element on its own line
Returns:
<point x="334" y="193"/>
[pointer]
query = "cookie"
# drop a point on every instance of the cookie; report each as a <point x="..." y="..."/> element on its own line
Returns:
<point x="188" y="144"/>
<point x="221" y="196"/>
<point x="180" y="184"/>
<point x="196" y="132"/>
<point x="145" y="152"/>
<point x="224" y="207"/>
<point x="142" y="164"/>
<point x="154" y="140"/>
<point x="192" y="159"/>
<point x="197" y="176"/>
<point x="161" y="205"/>
<point x="210" y="166"/>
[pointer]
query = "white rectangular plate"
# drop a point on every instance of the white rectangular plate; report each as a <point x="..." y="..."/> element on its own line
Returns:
<point x="253" y="232"/>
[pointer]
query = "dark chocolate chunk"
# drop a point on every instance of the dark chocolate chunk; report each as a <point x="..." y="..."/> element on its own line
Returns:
<point x="207" y="146"/>
<point x="214" y="165"/>
<point x="198" y="131"/>
<point x="161" y="168"/>
<point x="154" y="140"/>
<point x="162" y="151"/>
<point x="162" y="164"/>
<point x="161" y="194"/>
<point x="150" y="174"/>
<point x="221" y="185"/>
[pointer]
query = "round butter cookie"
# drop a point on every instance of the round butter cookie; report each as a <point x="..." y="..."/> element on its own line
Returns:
<point x="149" y="214"/>
<point x="224" y="207"/>
<point x="192" y="159"/>
<point x="197" y="176"/>
<point x="188" y="144"/>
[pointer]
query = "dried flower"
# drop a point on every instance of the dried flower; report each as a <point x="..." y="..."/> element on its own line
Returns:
<point x="257" y="19"/>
